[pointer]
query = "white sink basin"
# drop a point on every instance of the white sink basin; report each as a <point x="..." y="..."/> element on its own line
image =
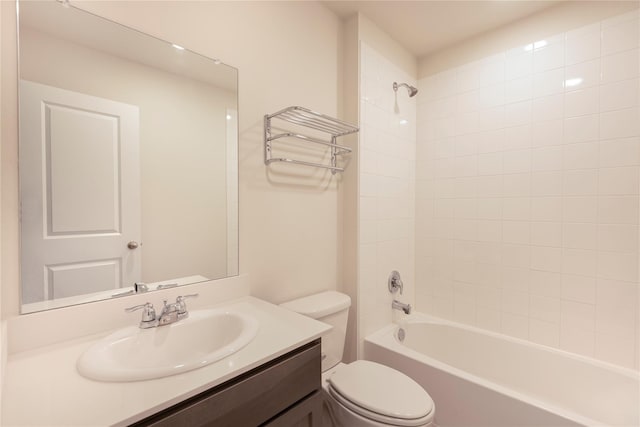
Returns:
<point x="134" y="354"/>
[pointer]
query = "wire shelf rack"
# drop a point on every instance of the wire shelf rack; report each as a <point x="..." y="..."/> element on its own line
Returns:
<point x="306" y="118"/>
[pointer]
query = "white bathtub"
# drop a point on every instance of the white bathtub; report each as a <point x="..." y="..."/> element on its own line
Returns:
<point x="480" y="378"/>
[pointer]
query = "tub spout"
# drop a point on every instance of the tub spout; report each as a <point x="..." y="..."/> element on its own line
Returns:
<point x="401" y="306"/>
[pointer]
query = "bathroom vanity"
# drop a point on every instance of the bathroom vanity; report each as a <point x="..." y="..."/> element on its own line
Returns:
<point x="282" y="392"/>
<point x="274" y="380"/>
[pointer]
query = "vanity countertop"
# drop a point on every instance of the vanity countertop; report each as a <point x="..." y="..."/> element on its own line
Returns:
<point x="43" y="388"/>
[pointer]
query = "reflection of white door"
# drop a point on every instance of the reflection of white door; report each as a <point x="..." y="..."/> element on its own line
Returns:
<point x="80" y="193"/>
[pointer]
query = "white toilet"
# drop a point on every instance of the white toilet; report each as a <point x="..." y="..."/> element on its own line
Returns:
<point x="361" y="393"/>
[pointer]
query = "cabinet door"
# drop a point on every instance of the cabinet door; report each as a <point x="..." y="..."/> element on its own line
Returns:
<point x="307" y="413"/>
<point x="252" y="399"/>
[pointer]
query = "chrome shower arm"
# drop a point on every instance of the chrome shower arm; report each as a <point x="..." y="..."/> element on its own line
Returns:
<point x="412" y="90"/>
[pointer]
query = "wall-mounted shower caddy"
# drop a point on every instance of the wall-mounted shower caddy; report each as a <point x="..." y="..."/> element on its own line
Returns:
<point x="307" y="119"/>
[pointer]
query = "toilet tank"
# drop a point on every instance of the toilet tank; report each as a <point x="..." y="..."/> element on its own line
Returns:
<point x="332" y="308"/>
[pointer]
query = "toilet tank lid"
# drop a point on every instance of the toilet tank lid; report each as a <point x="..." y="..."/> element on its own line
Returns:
<point x="319" y="305"/>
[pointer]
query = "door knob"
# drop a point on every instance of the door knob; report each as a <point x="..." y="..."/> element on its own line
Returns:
<point x="133" y="245"/>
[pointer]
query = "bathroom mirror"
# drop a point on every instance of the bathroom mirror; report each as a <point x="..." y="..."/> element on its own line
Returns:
<point x="127" y="160"/>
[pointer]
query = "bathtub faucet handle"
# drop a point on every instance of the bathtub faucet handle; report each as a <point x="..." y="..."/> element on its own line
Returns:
<point x="395" y="282"/>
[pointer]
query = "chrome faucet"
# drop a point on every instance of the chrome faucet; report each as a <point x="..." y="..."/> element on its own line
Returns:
<point x="148" y="315"/>
<point x="401" y="306"/>
<point x="395" y="282"/>
<point x="140" y="287"/>
<point x="175" y="311"/>
<point x="170" y="313"/>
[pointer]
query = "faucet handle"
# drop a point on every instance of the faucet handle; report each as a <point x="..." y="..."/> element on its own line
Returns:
<point x="182" y="306"/>
<point x="395" y="282"/>
<point x="148" y="312"/>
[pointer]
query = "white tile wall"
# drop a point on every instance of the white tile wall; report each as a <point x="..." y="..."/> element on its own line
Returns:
<point x="528" y="177"/>
<point x="387" y="180"/>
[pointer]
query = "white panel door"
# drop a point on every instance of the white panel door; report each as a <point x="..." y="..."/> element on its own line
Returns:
<point x="80" y="193"/>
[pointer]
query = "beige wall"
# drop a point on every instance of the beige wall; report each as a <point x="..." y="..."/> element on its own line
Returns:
<point x="557" y="19"/>
<point x="348" y="210"/>
<point x="9" y="165"/>
<point x="288" y="215"/>
<point x="3" y="347"/>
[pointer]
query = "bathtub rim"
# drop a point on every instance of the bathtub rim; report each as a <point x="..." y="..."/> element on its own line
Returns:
<point x="421" y="317"/>
<point x="386" y="338"/>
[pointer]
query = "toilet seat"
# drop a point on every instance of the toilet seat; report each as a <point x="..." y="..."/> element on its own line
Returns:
<point x="391" y="421"/>
<point x="381" y="394"/>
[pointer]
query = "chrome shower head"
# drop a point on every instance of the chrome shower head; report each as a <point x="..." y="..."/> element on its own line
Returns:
<point x="412" y="90"/>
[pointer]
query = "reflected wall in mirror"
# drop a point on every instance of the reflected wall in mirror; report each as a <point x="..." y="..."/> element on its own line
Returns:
<point x="128" y="160"/>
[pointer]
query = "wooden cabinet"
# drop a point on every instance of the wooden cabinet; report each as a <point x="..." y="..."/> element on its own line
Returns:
<point x="306" y="413"/>
<point x="284" y="392"/>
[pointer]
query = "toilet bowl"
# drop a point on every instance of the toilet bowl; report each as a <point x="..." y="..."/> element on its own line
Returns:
<point x="361" y="393"/>
<point x="365" y="393"/>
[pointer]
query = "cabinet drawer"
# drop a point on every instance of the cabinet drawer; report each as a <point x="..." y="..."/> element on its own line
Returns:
<point x="252" y="398"/>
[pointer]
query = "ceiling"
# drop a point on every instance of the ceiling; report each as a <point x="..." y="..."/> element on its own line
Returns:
<point x="424" y="27"/>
